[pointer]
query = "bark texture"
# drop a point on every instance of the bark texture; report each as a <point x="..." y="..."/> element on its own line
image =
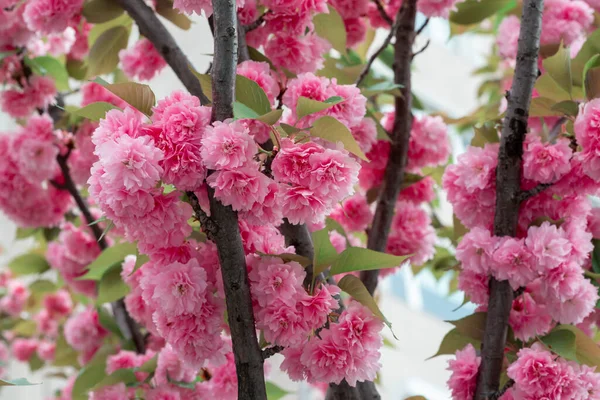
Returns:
<point x="509" y="194"/>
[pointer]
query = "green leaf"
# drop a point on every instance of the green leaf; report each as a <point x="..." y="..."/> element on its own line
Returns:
<point x="95" y="111"/>
<point x="542" y="107"/>
<point x="165" y="9"/>
<point x="35" y="363"/>
<point x="42" y="286"/>
<point x="136" y="95"/>
<point x="104" y="54"/>
<point x="205" y="82"/>
<point x="124" y="375"/>
<point x="474" y="11"/>
<point x="271" y="117"/>
<point x="64" y="354"/>
<point x="472" y="326"/>
<point x="88" y="376"/>
<point x="591" y="77"/>
<point x="355" y="288"/>
<point x="415" y="398"/>
<point x="561" y="342"/>
<point x="31" y="263"/>
<point x="242" y="111"/>
<point x="453" y="341"/>
<point x="331" y="129"/>
<point x="109" y="257"/>
<point x="559" y="68"/>
<point x="325" y="253"/>
<point x="274" y="392"/>
<point x="112" y="287"/>
<point x="360" y="259"/>
<point x="17" y="382"/>
<point x="77" y="69"/>
<point x="256" y="55"/>
<point x="149" y="366"/>
<point x="588" y="351"/>
<point x="98" y="29"/>
<point x="306" y="106"/>
<point x="100" y="11"/>
<point x="26" y="328"/>
<point x="24" y="233"/>
<point x="331" y="28"/>
<point x="54" y="68"/>
<point x="590" y="48"/>
<point x="288" y="129"/>
<point x="287" y="257"/>
<point x="140" y="259"/>
<point x="547" y="87"/>
<point x="459" y="229"/>
<point x="251" y="95"/>
<point x="567" y="107"/>
<point x="486" y="133"/>
<point x="108" y="322"/>
<point x="382" y="87"/>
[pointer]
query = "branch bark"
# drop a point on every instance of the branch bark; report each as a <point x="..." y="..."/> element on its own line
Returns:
<point x="394" y="171"/>
<point x="151" y="27"/>
<point x="126" y="324"/>
<point x="247" y="353"/>
<point x="508" y="184"/>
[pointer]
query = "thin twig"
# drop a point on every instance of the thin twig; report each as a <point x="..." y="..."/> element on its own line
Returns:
<point x="526" y="194"/>
<point x="507" y="386"/>
<point x="259" y="21"/>
<point x="271" y="351"/>
<point x="383" y="13"/>
<point x="422" y="28"/>
<point x="555" y="130"/>
<point x="386" y="42"/>
<point x="416" y="53"/>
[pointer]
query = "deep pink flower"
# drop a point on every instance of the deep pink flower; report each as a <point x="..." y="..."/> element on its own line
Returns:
<point x="23" y="349"/>
<point x="549" y="245"/>
<point x="271" y="278"/>
<point x="240" y="188"/>
<point x="227" y="146"/>
<point x="545" y="163"/>
<point x="464" y="373"/>
<point x="141" y="61"/>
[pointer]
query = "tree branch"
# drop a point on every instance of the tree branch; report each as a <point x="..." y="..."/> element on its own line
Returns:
<point x="388" y="39"/>
<point x="151" y="27"/>
<point x="253" y="25"/>
<point x="383" y="13"/>
<point x="422" y="28"/>
<point x="508" y="184"/>
<point x="126" y="324"/>
<point x="526" y="194"/>
<point x="243" y="54"/>
<point x="247" y="353"/>
<point x="271" y="351"/>
<point x="422" y="49"/>
<point x="394" y="171"/>
<point x="299" y="237"/>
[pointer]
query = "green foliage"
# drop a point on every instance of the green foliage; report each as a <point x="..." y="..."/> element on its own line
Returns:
<point x="591" y="77"/>
<point x="27" y="264"/>
<point x="472" y="326"/>
<point x="165" y="9"/>
<point x="274" y="392"/>
<point x="331" y="129"/>
<point x="95" y="111"/>
<point x="109" y="257"/>
<point x="486" y="133"/>
<point x="361" y="259"/>
<point x="562" y="343"/>
<point x="474" y="11"/>
<point x="136" y="95"/>
<point x="111" y="287"/>
<point x="306" y="106"/>
<point x="104" y="54"/>
<point x="325" y="253"/>
<point x="330" y="26"/>
<point x="453" y="341"/>
<point x="100" y="11"/>
<point x="108" y="322"/>
<point x="586" y="350"/>
<point x="50" y="66"/>
<point x="16" y="382"/>
<point x="355" y="288"/>
<point x="558" y="67"/>
<point x="251" y="95"/>
<point x="205" y="82"/>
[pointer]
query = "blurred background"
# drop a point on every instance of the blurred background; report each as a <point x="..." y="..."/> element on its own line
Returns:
<point x="417" y="305"/>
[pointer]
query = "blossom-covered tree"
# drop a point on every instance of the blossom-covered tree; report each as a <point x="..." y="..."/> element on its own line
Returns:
<point x="182" y="242"/>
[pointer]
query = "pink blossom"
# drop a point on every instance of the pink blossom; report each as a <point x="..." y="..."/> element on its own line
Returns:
<point x="535" y="372"/>
<point x="268" y="211"/>
<point x="508" y="37"/>
<point x="58" y="303"/>
<point x="354" y="214"/>
<point x="301" y="205"/>
<point x="115" y="124"/>
<point x="50" y="16"/>
<point x="292" y="163"/>
<point x="112" y="392"/>
<point x="359" y="328"/>
<point x="240" y="188"/>
<point x="365" y="134"/>
<point x="464" y="373"/>
<point x="512" y="261"/>
<point x="271" y="278"/>
<point x="351" y="8"/>
<point x="333" y="174"/>
<point x="194" y="6"/>
<point x="574" y="309"/>
<point x="411" y="233"/>
<point x="180" y="289"/>
<point x="227" y="146"/>
<point x="565" y="20"/>
<point x="297" y="54"/>
<point x="316" y="308"/>
<point x="14" y="301"/>
<point x="529" y="318"/>
<point x="223" y="383"/>
<point x="545" y="163"/>
<point x="475" y="286"/>
<point x="83" y="330"/>
<point x="81" y="47"/>
<point x="260" y="72"/>
<point x="92" y="92"/>
<point x="141" y="61"/>
<point x="46" y="324"/>
<point x="356" y="31"/>
<point x="549" y="245"/>
<point x="170" y="366"/>
<point x="436" y="8"/>
<point x="82" y="157"/>
<point x="476" y="249"/>
<point x="305" y="85"/>
<point x="293" y="365"/>
<point x="295" y="23"/>
<point x="122" y="360"/>
<point x="562" y="282"/>
<point x="46" y="350"/>
<point x="282" y="324"/>
<point x="23" y="349"/>
<point x="352" y="109"/>
<point x="419" y="192"/>
<point x="38" y="92"/>
<point x="428" y="146"/>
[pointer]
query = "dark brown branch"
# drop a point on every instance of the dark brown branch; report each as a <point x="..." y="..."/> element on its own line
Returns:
<point x="126" y="324"/>
<point x="271" y="351"/>
<point x="422" y="28"/>
<point x="508" y="184"/>
<point x="526" y="194"/>
<point x="383" y="13"/>
<point x="555" y="130"/>
<point x="299" y="237"/>
<point x="388" y="39"/>
<point x="394" y="171"/>
<point x="151" y="27"/>
<point x="247" y="353"/>
<point x="207" y="224"/>
<point x="243" y="54"/>
<point x="507" y="386"/>
<point x="422" y="49"/>
<point x="253" y="25"/>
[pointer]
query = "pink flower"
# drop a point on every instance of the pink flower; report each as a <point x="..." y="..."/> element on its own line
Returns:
<point x="292" y="364"/>
<point x="271" y="278"/>
<point x="141" y="61"/>
<point x="23" y="349"/>
<point x="333" y="174"/>
<point x="180" y="289"/>
<point x="92" y="92"/>
<point x="46" y="350"/>
<point x="565" y="20"/>
<point x="464" y="373"/>
<point x="508" y="37"/>
<point x="260" y="72"/>
<point x="351" y="8"/>
<point x="58" y="303"/>
<point x="117" y="123"/>
<point x="475" y="250"/>
<point x="475" y="286"/>
<point x="122" y="360"/>
<point x="436" y="8"/>
<point x="549" y="245"/>
<point x="112" y="392"/>
<point x="223" y="383"/>
<point x="352" y="109"/>
<point x="325" y="359"/>
<point x="282" y="324"/>
<point x="240" y="188"/>
<point x="83" y="330"/>
<point x="170" y="366"/>
<point x="356" y="31"/>
<point x="305" y="85"/>
<point x="428" y="146"/>
<point x="316" y="308"/>
<point x="46" y="325"/>
<point x="359" y="328"/>
<point x="365" y="134"/>
<point x="50" y="16"/>
<point x="14" y="301"/>
<point x="297" y="54"/>
<point x="512" y="261"/>
<point x="268" y="211"/>
<point x="545" y="163"/>
<point x="37" y="92"/>
<point x="354" y="214"/>
<point x="194" y="6"/>
<point x="292" y="163"/>
<point x="535" y="372"/>
<point x="301" y="205"/>
<point x="574" y="309"/>
<point x="411" y="233"/>
<point x="528" y="318"/>
<point x="419" y="192"/>
<point x="227" y="146"/>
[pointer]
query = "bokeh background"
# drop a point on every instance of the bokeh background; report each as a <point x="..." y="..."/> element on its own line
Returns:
<point x="417" y="305"/>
